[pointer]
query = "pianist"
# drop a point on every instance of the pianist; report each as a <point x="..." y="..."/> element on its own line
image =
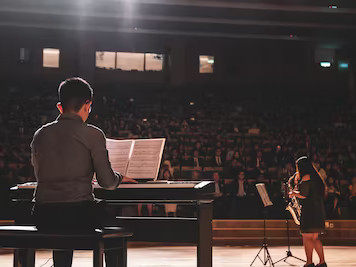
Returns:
<point x="65" y="154"/>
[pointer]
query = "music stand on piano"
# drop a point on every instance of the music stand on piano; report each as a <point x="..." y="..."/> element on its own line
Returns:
<point x="261" y="188"/>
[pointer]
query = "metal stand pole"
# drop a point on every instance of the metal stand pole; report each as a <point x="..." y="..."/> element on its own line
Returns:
<point x="289" y="253"/>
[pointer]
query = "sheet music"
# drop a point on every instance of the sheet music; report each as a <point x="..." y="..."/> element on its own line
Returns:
<point x="119" y="154"/>
<point x="261" y="188"/>
<point x="146" y="158"/>
<point x="140" y="158"/>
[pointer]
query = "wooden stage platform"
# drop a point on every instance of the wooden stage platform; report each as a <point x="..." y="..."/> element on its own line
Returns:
<point x="250" y="232"/>
<point x="185" y="256"/>
<point x="236" y="244"/>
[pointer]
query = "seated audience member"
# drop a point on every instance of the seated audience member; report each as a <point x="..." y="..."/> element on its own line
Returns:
<point x="219" y="203"/>
<point x="166" y="175"/>
<point x="219" y="184"/>
<point x="217" y="160"/>
<point x="187" y="161"/>
<point x="230" y="154"/>
<point x="198" y="147"/>
<point x="333" y="194"/>
<point x="175" y="160"/>
<point x="242" y="189"/>
<point x="197" y="159"/>
<point x="233" y="169"/>
<point x="166" y="166"/>
<point x="344" y="202"/>
<point x="241" y="185"/>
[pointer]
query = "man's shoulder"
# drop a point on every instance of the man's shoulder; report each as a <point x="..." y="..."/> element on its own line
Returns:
<point x="45" y="127"/>
<point x="41" y="132"/>
<point x="96" y="131"/>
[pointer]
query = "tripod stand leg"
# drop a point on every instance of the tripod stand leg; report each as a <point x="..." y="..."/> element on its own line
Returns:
<point x="296" y="258"/>
<point x="283" y="259"/>
<point x="269" y="258"/>
<point x="257" y="256"/>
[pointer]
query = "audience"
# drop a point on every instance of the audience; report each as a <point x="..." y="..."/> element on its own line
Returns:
<point x="240" y="141"/>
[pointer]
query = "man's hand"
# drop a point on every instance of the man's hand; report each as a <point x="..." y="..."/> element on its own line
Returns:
<point x="128" y="180"/>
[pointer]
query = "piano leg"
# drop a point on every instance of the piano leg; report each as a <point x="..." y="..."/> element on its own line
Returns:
<point x="204" y="246"/>
<point x="24" y="257"/>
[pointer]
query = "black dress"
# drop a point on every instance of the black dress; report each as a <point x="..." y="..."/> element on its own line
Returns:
<point x="313" y="211"/>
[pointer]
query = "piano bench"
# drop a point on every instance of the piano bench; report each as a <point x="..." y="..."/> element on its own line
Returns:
<point x="26" y="239"/>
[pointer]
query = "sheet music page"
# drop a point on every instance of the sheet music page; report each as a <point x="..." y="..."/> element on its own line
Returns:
<point x="145" y="158"/>
<point x="119" y="154"/>
<point x="261" y="188"/>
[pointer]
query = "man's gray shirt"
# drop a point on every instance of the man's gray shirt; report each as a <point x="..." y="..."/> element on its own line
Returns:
<point x="65" y="154"/>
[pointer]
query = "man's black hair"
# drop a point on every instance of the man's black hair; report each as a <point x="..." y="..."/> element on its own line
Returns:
<point x="73" y="93"/>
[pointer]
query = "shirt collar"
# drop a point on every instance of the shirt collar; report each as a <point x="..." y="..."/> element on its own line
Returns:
<point x="69" y="116"/>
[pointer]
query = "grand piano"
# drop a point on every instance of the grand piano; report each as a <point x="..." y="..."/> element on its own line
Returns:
<point x="196" y="229"/>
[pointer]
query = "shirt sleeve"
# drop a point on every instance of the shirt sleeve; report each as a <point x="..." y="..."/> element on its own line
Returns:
<point x="105" y="175"/>
<point x="304" y="188"/>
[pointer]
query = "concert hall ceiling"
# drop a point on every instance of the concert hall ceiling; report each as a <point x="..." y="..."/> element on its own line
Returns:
<point x="249" y="19"/>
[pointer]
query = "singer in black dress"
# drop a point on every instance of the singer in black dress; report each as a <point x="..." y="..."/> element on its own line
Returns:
<point x="312" y="222"/>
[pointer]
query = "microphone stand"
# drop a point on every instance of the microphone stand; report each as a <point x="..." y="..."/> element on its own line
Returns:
<point x="289" y="253"/>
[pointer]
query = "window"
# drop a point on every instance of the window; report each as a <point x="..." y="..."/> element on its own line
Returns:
<point x="51" y="58"/>
<point x="154" y="62"/>
<point x="105" y="60"/>
<point x="130" y="61"/>
<point x="206" y="64"/>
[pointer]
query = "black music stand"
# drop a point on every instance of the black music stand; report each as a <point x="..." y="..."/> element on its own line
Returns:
<point x="261" y="188"/>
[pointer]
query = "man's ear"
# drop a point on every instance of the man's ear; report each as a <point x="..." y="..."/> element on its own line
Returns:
<point x="60" y="108"/>
<point x="88" y="106"/>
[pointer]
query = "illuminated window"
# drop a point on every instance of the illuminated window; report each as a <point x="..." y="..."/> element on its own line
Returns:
<point x="206" y="64"/>
<point x="105" y="60"/>
<point x="50" y="58"/>
<point x="154" y="62"/>
<point x="129" y="61"/>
